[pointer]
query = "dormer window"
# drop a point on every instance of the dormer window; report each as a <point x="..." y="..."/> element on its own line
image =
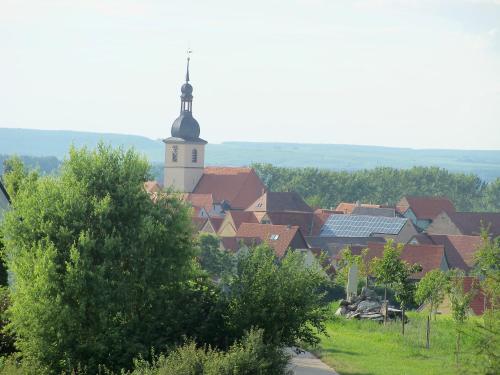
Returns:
<point x="274" y="237"/>
<point x="175" y="151"/>
<point x="194" y="155"/>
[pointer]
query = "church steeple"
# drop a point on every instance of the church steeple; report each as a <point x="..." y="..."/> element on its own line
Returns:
<point x="185" y="126"/>
<point x="187" y="92"/>
<point x="184" y="150"/>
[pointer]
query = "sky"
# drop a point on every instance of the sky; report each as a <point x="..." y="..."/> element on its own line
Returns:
<point x="404" y="73"/>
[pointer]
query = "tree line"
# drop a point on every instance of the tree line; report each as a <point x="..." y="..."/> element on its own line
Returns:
<point x="384" y="185"/>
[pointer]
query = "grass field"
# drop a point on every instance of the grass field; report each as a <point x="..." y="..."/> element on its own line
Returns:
<point x="368" y="348"/>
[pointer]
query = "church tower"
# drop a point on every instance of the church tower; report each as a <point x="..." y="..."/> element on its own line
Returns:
<point x="184" y="150"/>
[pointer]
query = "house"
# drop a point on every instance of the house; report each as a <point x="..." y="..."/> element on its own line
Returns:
<point x="321" y="215"/>
<point x="233" y="188"/>
<point x="374" y="211"/>
<point x="279" y="237"/>
<point x="233" y="220"/>
<point x="304" y="220"/>
<point x="279" y="202"/>
<point x="334" y="245"/>
<point x="234" y="244"/>
<point x="4" y="200"/>
<point x="203" y="205"/>
<point x="478" y="304"/>
<point x="185" y="171"/>
<point x="459" y="249"/>
<point x="422" y="210"/>
<point x="198" y="223"/>
<point x="347" y="208"/>
<point x="396" y="228"/>
<point x="212" y="225"/>
<point x="465" y="223"/>
<point x="430" y="257"/>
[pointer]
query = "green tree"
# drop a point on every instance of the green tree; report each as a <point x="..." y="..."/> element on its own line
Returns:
<point x="279" y="296"/>
<point x="212" y="259"/>
<point x="404" y="288"/>
<point x="460" y="300"/>
<point x="387" y="268"/>
<point x="99" y="269"/>
<point x="486" y="332"/>
<point x="492" y="196"/>
<point x="431" y="289"/>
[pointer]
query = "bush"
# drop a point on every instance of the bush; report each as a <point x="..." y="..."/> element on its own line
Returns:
<point x="280" y="296"/>
<point x="251" y="356"/>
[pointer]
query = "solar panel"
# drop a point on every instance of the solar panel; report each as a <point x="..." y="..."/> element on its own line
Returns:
<point x="361" y="225"/>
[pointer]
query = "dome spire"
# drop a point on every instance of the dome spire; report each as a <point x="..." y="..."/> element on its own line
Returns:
<point x="187" y="68"/>
<point x="187" y="90"/>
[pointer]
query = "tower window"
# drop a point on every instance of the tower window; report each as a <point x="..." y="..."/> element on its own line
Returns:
<point x="194" y="155"/>
<point x="174" y="153"/>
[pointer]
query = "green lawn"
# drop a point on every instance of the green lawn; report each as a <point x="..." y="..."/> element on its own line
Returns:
<point x="368" y="348"/>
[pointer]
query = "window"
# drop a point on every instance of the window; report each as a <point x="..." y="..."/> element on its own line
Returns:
<point x="274" y="237"/>
<point x="174" y="153"/>
<point x="194" y="155"/>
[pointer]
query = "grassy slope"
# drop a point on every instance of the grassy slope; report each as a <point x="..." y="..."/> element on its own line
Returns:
<point x="368" y="348"/>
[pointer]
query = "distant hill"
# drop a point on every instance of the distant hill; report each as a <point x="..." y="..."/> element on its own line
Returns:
<point x="486" y="164"/>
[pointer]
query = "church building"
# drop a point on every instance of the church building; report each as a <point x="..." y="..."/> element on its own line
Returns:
<point x="184" y="150"/>
<point x="185" y="171"/>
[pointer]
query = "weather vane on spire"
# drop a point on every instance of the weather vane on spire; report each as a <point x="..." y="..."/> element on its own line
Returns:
<point x="189" y="52"/>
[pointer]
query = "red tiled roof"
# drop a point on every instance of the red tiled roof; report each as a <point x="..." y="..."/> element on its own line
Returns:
<point x="346" y="208"/>
<point x="459" y="249"/>
<point x="198" y="222"/>
<point x="320" y="217"/>
<point x="478" y="302"/>
<point x="200" y="200"/>
<point x="428" y="256"/>
<point x="238" y="186"/>
<point x="240" y="217"/>
<point x="279" y="237"/>
<point x="216" y="222"/>
<point x="303" y="220"/>
<point x="234" y="243"/>
<point x="469" y="223"/>
<point x="279" y="202"/>
<point x="426" y="207"/>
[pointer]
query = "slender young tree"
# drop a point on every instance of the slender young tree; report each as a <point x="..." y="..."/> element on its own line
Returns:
<point x="460" y="300"/>
<point x="431" y="289"/>
<point x="387" y="268"/>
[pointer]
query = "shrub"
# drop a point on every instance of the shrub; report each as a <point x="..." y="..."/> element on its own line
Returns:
<point x="249" y="357"/>
<point x="280" y="296"/>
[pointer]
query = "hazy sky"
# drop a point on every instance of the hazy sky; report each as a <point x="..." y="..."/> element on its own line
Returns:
<point x="417" y="73"/>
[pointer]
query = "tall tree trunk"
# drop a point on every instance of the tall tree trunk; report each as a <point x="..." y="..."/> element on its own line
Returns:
<point x="428" y="332"/>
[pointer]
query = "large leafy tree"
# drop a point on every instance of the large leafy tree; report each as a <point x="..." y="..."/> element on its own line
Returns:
<point x="99" y="269"/>
<point x="282" y="297"/>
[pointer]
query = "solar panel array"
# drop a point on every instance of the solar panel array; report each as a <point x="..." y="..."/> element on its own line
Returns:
<point x="361" y="225"/>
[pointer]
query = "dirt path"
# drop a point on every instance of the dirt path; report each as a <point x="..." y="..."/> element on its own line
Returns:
<point x="307" y="364"/>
